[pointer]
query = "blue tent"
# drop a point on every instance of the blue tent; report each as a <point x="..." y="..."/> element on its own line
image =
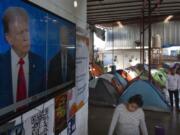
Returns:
<point x="153" y="99"/>
<point x="121" y="79"/>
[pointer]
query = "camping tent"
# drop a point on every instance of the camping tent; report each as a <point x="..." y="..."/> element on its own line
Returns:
<point x="103" y="93"/>
<point x="121" y="80"/>
<point x="126" y="75"/>
<point x="93" y="82"/>
<point x="114" y="81"/>
<point x="96" y="70"/>
<point x="107" y="77"/>
<point x="153" y="99"/>
<point x="132" y="73"/>
<point x="160" y="77"/>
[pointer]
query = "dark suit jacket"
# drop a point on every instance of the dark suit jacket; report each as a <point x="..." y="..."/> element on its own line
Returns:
<point x="54" y="72"/>
<point x="37" y="79"/>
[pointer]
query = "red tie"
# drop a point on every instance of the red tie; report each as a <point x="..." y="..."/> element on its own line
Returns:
<point x="21" y="86"/>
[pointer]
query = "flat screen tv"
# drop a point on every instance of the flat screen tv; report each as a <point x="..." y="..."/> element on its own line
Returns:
<point x="37" y="56"/>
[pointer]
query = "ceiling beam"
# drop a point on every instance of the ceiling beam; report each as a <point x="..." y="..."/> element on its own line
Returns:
<point x="94" y="0"/>
<point x="155" y="18"/>
<point x="168" y="12"/>
<point x="168" y="6"/>
<point x="112" y="18"/>
<point x="132" y="21"/>
<point x="111" y="15"/>
<point x="164" y="4"/>
<point x="171" y="12"/>
<point x="112" y="7"/>
<point x="112" y="3"/>
<point x="135" y="11"/>
<point x="121" y="18"/>
<point x="112" y="10"/>
<point x="115" y="13"/>
<point x="131" y="9"/>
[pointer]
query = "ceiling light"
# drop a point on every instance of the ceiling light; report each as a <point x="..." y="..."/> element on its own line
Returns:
<point x="75" y="3"/>
<point x="168" y="18"/>
<point x="120" y="24"/>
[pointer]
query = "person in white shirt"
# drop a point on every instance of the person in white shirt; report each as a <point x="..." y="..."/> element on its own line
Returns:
<point x="128" y="119"/>
<point x="172" y="85"/>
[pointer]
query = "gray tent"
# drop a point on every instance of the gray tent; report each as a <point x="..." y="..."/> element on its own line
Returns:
<point x="103" y="93"/>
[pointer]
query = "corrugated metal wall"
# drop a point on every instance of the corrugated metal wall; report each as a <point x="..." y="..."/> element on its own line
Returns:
<point x="126" y="37"/>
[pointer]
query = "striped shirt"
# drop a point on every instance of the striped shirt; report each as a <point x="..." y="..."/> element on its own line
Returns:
<point x="128" y="123"/>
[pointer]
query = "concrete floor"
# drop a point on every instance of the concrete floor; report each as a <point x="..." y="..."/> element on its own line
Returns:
<point x="100" y="118"/>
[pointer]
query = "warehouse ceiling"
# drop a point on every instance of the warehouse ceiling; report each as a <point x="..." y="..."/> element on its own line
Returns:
<point x="129" y="11"/>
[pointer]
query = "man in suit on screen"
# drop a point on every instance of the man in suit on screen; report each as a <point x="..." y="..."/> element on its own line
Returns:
<point x="62" y="65"/>
<point x="22" y="72"/>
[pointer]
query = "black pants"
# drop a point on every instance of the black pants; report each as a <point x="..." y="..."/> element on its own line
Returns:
<point x="176" y="95"/>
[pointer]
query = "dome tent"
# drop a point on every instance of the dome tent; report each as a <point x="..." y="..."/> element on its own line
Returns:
<point x="153" y="99"/>
<point x="121" y="80"/>
<point x="103" y="93"/>
<point x="128" y="74"/>
<point x="160" y="77"/>
<point x="114" y="81"/>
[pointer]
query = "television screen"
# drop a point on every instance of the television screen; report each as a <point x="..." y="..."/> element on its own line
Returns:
<point x="37" y="55"/>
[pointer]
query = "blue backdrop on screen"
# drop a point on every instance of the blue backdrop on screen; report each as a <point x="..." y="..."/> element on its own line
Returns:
<point x="40" y="23"/>
<point x="50" y="63"/>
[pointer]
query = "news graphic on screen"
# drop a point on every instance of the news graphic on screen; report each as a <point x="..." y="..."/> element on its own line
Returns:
<point x="37" y="54"/>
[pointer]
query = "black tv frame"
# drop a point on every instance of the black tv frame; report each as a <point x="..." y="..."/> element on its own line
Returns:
<point x="4" y="119"/>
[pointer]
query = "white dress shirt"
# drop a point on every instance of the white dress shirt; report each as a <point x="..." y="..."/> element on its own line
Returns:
<point x="15" y="69"/>
<point x="128" y="123"/>
<point x="172" y="82"/>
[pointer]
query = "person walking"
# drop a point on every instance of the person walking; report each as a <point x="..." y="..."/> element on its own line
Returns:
<point x="128" y="119"/>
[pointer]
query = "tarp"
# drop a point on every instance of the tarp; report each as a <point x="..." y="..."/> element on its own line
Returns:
<point x="153" y="99"/>
<point x="103" y="94"/>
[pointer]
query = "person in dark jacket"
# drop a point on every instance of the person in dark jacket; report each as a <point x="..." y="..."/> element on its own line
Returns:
<point x="62" y="65"/>
<point x="22" y="71"/>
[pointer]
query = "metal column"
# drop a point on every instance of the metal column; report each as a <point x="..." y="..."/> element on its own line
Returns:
<point x="149" y="38"/>
<point x="112" y="46"/>
<point x="143" y="25"/>
<point x="142" y="30"/>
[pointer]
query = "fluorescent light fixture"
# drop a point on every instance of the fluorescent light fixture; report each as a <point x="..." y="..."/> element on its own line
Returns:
<point x="168" y="18"/>
<point x="75" y="3"/>
<point x="120" y="24"/>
